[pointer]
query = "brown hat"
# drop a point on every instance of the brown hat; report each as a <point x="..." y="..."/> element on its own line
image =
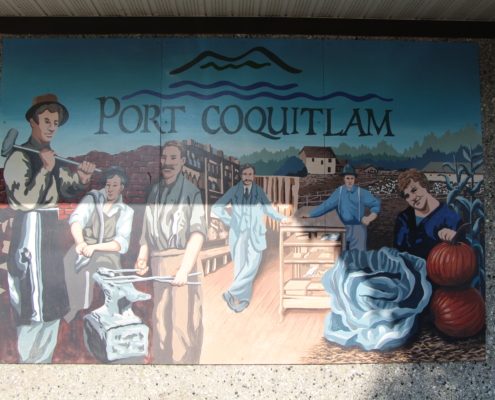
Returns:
<point x="47" y="99"/>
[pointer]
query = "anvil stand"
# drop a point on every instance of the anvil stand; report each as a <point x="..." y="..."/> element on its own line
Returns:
<point x="113" y="333"/>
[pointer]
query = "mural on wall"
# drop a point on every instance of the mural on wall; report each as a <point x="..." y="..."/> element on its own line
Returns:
<point x="217" y="201"/>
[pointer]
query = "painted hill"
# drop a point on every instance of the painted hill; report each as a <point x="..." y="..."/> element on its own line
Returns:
<point x="266" y="155"/>
<point x="449" y="142"/>
<point x="382" y="148"/>
<point x="383" y="155"/>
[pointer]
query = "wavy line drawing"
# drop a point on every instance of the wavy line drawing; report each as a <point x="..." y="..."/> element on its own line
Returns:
<point x="292" y="96"/>
<point x="218" y="84"/>
<point x="271" y="56"/>
<point x="248" y="63"/>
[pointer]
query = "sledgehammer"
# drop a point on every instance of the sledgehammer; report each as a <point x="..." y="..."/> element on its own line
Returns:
<point x="9" y="144"/>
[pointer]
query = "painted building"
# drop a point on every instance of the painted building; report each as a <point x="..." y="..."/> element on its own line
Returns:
<point x="366" y="169"/>
<point x="321" y="160"/>
<point x="435" y="170"/>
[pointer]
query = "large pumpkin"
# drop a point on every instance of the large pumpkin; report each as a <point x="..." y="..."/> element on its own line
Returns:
<point x="459" y="312"/>
<point x="451" y="263"/>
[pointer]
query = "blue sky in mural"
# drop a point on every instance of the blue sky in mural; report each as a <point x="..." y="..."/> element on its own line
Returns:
<point x="430" y="87"/>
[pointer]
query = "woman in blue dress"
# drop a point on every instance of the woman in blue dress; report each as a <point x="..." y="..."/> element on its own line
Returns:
<point x="427" y="221"/>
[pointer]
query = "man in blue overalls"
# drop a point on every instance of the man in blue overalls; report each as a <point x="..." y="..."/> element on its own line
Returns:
<point x="350" y="201"/>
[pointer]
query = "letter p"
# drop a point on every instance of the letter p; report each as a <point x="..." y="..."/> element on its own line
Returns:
<point x="116" y="110"/>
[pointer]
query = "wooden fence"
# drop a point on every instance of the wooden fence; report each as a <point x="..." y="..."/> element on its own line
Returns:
<point x="283" y="193"/>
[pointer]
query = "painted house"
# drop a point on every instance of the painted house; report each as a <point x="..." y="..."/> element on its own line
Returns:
<point x="435" y="170"/>
<point x="366" y="169"/>
<point x="321" y="160"/>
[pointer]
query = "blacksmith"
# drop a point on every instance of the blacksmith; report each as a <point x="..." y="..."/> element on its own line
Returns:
<point x="34" y="182"/>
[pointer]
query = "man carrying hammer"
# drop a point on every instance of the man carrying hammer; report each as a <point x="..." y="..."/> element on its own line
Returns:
<point x="34" y="182"/>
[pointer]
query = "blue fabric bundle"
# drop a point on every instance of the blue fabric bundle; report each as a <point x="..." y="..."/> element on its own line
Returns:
<point x="376" y="298"/>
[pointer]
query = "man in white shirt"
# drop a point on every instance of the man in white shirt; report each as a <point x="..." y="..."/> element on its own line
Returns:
<point x="96" y="247"/>
<point x="174" y="229"/>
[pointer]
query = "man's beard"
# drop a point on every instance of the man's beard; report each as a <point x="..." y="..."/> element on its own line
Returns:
<point x="247" y="182"/>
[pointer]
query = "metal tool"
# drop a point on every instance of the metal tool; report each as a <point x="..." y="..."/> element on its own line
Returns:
<point x="133" y="279"/>
<point x="9" y="144"/>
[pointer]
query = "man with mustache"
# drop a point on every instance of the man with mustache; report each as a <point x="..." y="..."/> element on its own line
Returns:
<point x="247" y="234"/>
<point x="34" y="183"/>
<point x="174" y="228"/>
<point x="427" y="221"/>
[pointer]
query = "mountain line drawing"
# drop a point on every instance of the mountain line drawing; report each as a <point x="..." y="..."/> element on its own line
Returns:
<point x="249" y="63"/>
<point x="263" y="50"/>
<point x="357" y="99"/>
<point x="218" y="84"/>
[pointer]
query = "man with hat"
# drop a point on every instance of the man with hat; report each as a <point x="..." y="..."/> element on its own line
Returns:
<point x="34" y="181"/>
<point x="350" y="201"/>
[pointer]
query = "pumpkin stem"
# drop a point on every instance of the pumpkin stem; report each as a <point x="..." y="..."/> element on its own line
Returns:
<point x="454" y="239"/>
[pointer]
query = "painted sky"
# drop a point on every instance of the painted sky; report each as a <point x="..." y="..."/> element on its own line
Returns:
<point x="433" y="87"/>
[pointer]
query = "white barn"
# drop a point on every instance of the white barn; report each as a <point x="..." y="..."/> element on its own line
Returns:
<point x="321" y="160"/>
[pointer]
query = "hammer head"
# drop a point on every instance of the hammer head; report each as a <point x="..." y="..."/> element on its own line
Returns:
<point x="8" y="142"/>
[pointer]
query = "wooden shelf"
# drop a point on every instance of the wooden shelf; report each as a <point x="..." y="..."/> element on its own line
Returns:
<point x="316" y="286"/>
<point x="308" y="258"/>
<point x="305" y="241"/>
<point x="306" y="250"/>
<point x="297" y="287"/>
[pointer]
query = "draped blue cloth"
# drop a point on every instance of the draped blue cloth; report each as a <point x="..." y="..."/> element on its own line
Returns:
<point x="376" y="298"/>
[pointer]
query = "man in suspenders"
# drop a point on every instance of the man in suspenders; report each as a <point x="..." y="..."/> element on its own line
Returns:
<point x="349" y="202"/>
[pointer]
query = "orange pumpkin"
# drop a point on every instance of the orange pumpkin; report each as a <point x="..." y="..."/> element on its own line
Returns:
<point x="451" y="263"/>
<point x="459" y="312"/>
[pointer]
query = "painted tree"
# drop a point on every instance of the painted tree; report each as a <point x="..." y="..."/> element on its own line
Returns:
<point x="462" y="198"/>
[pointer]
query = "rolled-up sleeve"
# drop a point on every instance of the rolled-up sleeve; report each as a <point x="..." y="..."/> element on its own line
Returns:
<point x="147" y="219"/>
<point x="372" y="202"/>
<point x="123" y="229"/>
<point x="83" y="211"/>
<point x="197" y="220"/>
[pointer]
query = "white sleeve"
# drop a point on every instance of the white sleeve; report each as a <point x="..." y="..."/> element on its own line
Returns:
<point x="123" y="229"/>
<point x="83" y="211"/>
